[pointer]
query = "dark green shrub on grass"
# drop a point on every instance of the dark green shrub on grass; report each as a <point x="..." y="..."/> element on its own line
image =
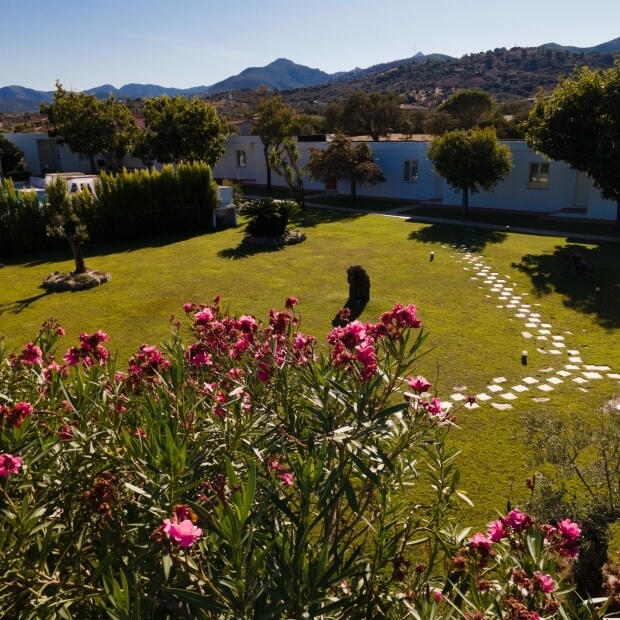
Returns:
<point x="268" y="217"/>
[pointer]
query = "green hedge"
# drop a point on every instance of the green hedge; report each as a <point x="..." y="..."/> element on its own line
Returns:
<point x="124" y="206"/>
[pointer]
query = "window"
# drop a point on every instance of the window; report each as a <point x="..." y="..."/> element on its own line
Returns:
<point x="410" y="171"/>
<point x="240" y="159"/>
<point x="539" y="176"/>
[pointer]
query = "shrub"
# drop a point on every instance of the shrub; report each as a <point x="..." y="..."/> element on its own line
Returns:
<point x="244" y="475"/>
<point x="267" y="217"/>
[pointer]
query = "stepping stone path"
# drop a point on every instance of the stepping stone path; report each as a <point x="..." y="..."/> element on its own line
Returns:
<point x="573" y="372"/>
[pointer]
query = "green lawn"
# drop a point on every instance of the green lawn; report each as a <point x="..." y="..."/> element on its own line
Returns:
<point x="473" y="340"/>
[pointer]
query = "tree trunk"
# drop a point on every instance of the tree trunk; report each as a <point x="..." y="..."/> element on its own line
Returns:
<point x="266" y="152"/>
<point x="617" y="226"/>
<point x="353" y="190"/>
<point x="466" y="203"/>
<point x="93" y="169"/>
<point x="76" y="248"/>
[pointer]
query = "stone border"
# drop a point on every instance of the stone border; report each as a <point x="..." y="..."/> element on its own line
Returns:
<point x="58" y="281"/>
<point x="290" y="237"/>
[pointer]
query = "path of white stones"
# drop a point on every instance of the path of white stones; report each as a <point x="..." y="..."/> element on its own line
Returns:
<point x="497" y="394"/>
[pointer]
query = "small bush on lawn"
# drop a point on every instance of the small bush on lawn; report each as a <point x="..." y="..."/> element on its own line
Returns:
<point x="244" y="476"/>
<point x="268" y="217"/>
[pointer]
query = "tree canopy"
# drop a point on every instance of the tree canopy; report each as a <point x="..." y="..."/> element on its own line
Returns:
<point x="12" y="156"/>
<point x="344" y="161"/>
<point x="470" y="160"/>
<point x="90" y="126"/>
<point x="580" y="125"/>
<point x="181" y="129"/>
<point x="274" y="122"/>
<point x="468" y="107"/>
<point x="373" y="114"/>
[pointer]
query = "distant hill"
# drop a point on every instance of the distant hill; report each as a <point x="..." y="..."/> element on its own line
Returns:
<point x="421" y="79"/>
<point x="611" y="46"/>
<point x="281" y="74"/>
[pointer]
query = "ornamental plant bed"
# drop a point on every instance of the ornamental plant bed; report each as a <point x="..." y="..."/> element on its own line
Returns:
<point x="210" y="477"/>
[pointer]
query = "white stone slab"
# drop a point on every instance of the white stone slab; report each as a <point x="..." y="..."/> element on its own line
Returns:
<point x="558" y="337"/>
<point x="500" y="306"/>
<point x="592" y="375"/>
<point x="494" y="388"/>
<point x="499" y="379"/>
<point x="526" y="334"/>
<point x="546" y="325"/>
<point x="502" y="406"/>
<point x="575" y="360"/>
<point x="555" y="352"/>
<point x="503" y="298"/>
<point x="457" y="397"/>
<point x="542" y="351"/>
<point x="508" y="396"/>
<point x="580" y="380"/>
<point x="560" y="345"/>
<point x="535" y="314"/>
<point x="519" y="388"/>
<point x="554" y="381"/>
<point x="572" y="367"/>
<point x="520" y="315"/>
<point x="510" y="306"/>
<point x="613" y="375"/>
<point x="573" y="352"/>
<point x="472" y="406"/>
<point x="563" y="373"/>
<point x="529" y="380"/>
<point x="473" y="278"/>
<point x="601" y="368"/>
<point x="544" y="332"/>
<point x="548" y="369"/>
<point x="541" y="400"/>
<point x="483" y="397"/>
<point x="531" y="325"/>
<point x="584" y="390"/>
<point x="541" y="337"/>
<point x="545" y="388"/>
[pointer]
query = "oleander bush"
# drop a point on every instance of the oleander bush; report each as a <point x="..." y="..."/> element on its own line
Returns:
<point x="234" y="472"/>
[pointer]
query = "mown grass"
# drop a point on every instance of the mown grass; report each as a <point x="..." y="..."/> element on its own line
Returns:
<point x="472" y="340"/>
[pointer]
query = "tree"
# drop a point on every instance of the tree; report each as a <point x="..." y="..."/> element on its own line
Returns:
<point x="342" y="161"/>
<point x="284" y="161"/>
<point x="468" y="107"/>
<point x="65" y="214"/>
<point x="373" y="114"/>
<point x="274" y="122"/>
<point x="90" y="126"/>
<point x="580" y="125"/>
<point x="12" y="157"/>
<point x="181" y="129"/>
<point x="470" y="160"/>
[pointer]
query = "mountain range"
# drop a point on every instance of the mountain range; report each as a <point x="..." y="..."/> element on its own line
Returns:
<point x="282" y="74"/>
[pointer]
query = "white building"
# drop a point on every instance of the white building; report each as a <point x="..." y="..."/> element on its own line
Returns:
<point x="535" y="184"/>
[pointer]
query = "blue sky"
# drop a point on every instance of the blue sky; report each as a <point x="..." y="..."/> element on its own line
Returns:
<point x="185" y="43"/>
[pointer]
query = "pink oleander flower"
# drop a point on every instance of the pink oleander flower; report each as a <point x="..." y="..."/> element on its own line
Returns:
<point x="497" y="531"/>
<point x="204" y="316"/>
<point x="290" y="302"/>
<point x="544" y="583"/>
<point x="31" y="354"/>
<point x="518" y="520"/>
<point x="9" y="464"/>
<point x="569" y="529"/>
<point x="72" y="357"/>
<point x="184" y="533"/>
<point x="287" y="479"/>
<point x="480" y="543"/>
<point x="65" y="433"/>
<point x="15" y="414"/>
<point x="438" y="596"/>
<point x="434" y="407"/>
<point x="418" y="384"/>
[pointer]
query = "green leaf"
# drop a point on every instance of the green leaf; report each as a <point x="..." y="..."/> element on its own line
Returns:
<point x="194" y="599"/>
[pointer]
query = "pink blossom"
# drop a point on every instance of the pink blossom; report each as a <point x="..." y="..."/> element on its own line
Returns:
<point x="287" y="479"/>
<point x="72" y="356"/>
<point x="418" y="384"/>
<point x="497" y="530"/>
<point x="9" y="464"/>
<point x="481" y="543"/>
<point x="544" y="583"/>
<point x="434" y="407"/>
<point x="290" y="302"/>
<point x="438" y="596"/>
<point x="31" y="354"/>
<point x="518" y="520"/>
<point x="569" y="530"/>
<point x="184" y="533"/>
<point x="204" y="316"/>
<point x="66" y="433"/>
<point x="60" y="331"/>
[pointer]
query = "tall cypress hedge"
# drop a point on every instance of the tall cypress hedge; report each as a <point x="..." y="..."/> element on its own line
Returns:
<point x="129" y="205"/>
